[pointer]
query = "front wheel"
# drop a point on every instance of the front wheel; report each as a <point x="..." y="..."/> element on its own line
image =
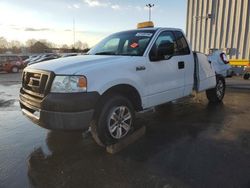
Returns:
<point x="114" y="120"/>
<point x="216" y="95"/>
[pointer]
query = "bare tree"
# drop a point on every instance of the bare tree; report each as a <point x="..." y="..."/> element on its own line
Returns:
<point x="65" y="46"/>
<point x="30" y="42"/>
<point x="85" y="46"/>
<point x="39" y="47"/>
<point x="3" y="43"/>
<point x="47" y="43"/>
<point x="35" y="46"/>
<point x="15" y="44"/>
<point x="81" y="45"/>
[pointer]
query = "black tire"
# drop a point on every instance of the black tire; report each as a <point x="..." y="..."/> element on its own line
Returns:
<point x="15" y="69"/>
<point x="216" y="95"/>
<point x="246" y="76"/>
<point x="107" y="112"/>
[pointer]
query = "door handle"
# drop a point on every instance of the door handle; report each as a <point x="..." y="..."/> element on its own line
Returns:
<point x="140" y="68"/>
<point x="181" y="64"/>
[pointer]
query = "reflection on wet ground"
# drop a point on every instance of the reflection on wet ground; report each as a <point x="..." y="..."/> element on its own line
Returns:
<point x="187" y="144"/>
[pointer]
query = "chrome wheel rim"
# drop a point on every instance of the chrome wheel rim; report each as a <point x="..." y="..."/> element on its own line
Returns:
<point x="220" y="89"/>
<point x="119" y="122"/>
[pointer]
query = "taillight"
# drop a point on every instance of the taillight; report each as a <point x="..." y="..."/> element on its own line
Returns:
<point x="224" y="58"/>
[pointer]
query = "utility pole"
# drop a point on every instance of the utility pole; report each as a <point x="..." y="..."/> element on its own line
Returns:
<point x="74" y="32"/>
<point x="150" y="6"/>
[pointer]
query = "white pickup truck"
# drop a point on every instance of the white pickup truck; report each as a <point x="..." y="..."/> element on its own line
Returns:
<point x="125" y="73"/>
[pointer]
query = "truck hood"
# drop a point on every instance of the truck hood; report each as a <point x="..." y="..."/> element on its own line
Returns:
<point x="76" y="64"/>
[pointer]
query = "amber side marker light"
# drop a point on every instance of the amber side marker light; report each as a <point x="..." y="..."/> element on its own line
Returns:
<point x="82" y="82"/>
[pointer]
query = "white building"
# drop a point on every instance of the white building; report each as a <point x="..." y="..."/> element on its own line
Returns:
<point x="220" y="24"/>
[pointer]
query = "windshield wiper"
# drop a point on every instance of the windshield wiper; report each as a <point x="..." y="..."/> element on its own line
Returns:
<point x="105" y="53"/>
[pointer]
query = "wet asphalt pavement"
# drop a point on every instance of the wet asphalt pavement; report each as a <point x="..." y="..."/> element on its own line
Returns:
<point x="187" y="144"/>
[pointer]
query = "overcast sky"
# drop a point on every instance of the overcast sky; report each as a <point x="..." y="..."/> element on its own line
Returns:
<point x="94" y="19"/>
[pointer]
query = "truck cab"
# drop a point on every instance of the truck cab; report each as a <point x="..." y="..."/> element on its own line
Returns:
<point x="127" y="72"/>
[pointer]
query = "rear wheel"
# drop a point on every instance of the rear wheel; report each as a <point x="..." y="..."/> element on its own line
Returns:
<point x="114" y="120"/>
<point x="246" y="76"/>
<point x="216" y="95"/>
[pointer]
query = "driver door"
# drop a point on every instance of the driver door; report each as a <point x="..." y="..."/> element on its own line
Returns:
<point x="166" y="75"/>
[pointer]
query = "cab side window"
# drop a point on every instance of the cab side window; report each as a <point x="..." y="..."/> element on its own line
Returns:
<point x="12" y="58"/>
<point x="165" y="45"/>
<point x="182" y="45"/>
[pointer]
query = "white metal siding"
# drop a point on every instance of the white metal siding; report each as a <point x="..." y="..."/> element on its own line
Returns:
<point x="219" y="24"/>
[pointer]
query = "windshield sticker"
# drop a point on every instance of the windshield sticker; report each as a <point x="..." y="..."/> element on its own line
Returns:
<point x="134" y="45"/>
<point x="143" y="34"/>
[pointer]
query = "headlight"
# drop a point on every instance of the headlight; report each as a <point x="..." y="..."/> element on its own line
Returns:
<point x="69" y="84"/>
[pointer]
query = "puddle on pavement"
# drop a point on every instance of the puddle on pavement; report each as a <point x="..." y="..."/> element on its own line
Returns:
<point x="9" y="97"/>
<point x="7" y="103"/>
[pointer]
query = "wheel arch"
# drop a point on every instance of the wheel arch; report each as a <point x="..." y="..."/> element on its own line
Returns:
<point x="220" y="76"/>
<point x="127" y="91"/>
<point x="10" y="68"/>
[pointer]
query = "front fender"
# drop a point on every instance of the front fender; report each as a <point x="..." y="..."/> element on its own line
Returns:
<point x="116" y="82"/>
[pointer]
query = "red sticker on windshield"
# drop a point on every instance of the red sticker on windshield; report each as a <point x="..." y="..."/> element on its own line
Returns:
<point x="134" y="45"/>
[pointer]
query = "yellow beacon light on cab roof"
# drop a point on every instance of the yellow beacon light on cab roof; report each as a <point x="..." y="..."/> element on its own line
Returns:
<point x="145" y="25"/>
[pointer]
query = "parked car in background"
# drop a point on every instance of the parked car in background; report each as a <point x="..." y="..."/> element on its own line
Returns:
<point x="46" y="58"/>
<point x="43" y="57"/>
<point x="246" y="74"/>
<point x="24" y="57"/>
<point x="33" y="58"/>
<point x="11" y="63"/>
<point x="69" y="54"/>
<point x="220" y="62"/>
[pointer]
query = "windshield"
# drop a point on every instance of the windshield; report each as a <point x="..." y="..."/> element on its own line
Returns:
<point x="130" y="43"/>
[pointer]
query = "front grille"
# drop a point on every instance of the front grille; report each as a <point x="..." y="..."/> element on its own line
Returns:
<point x="36" y="83"/>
